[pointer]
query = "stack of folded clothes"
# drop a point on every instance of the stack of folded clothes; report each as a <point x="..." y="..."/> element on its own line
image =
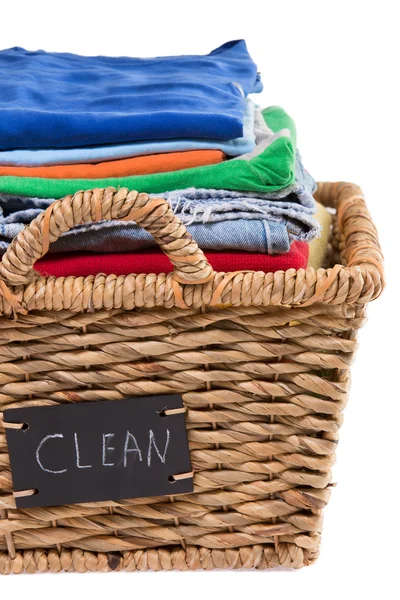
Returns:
<point x="182" y="128"/>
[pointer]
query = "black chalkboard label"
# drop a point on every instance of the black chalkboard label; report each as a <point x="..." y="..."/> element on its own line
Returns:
<point x="94" y="451"/>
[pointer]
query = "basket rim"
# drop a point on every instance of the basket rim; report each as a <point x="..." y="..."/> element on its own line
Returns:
<point x="358" y="280"/>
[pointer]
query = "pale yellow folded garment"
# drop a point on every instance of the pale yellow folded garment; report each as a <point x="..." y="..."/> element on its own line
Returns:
<point x="319" y="246"/>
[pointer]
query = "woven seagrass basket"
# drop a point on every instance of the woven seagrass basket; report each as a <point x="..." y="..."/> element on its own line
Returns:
<point x="262" y="362"/>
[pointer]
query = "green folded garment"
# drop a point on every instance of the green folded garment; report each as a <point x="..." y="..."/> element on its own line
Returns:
<point x="268" y="168"/>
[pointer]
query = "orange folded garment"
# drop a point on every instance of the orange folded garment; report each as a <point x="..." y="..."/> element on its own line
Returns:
<point x="139" y="165"/>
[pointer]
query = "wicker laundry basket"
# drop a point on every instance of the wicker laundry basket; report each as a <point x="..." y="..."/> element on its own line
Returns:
<point x="262" y="362"/>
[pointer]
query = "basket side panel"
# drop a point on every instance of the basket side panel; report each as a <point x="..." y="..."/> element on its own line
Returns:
<point x="264" y="387"/>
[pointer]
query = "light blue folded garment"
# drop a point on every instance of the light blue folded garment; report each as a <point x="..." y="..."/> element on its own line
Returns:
<point x="96" y="154"/>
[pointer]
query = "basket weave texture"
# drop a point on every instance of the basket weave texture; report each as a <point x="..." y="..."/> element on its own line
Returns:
<point x="261" y="359"/>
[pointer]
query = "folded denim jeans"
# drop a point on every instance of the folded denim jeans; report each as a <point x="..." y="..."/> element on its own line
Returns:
<point x="217" y="220"/>
<point x="268" y="236"/>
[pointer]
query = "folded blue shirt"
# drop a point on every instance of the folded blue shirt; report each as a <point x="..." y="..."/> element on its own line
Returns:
<point x="95" y="154"/>
<point x="60" y="100"/>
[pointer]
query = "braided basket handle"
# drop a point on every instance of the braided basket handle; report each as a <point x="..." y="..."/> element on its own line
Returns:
<point x="152" y="214"/>
<point x="360" y="244"/>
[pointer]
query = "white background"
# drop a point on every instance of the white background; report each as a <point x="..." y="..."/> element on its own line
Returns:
<point x="334" y="66"/>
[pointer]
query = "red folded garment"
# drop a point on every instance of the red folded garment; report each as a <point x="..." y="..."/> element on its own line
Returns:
<point x="154" y="261"/>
